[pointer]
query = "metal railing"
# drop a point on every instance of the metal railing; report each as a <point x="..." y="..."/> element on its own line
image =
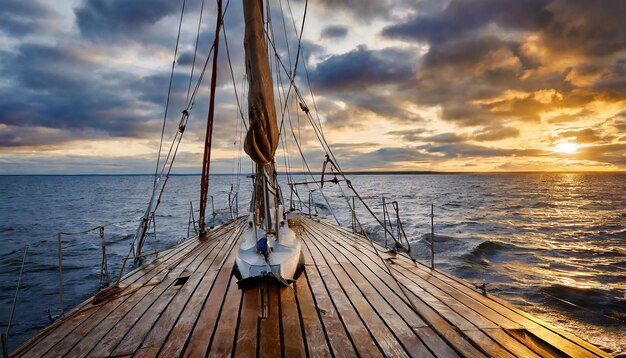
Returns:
<point x="104" y="267"/>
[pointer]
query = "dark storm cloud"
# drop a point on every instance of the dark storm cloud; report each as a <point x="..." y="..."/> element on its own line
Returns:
<point x="593" y="29"/>
<point x="364" y="9"/>
<point x="185" y="58"/>
<point x="334" y="32"/>
<point x="19" y="18"/>
<point x="461" y="18"/>
<point x="101" y="19"/>
<point x="60" y="88"/>
<point x="565" y="25"/>
<point x="362" y="68"/>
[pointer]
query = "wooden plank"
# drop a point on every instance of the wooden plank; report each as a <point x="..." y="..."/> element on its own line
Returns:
<point x="544" y="332"/>
<point x="57" y="331"/>
<point x="291" y="328"/>
<point x="67" y="336"/>
<point x="152" y="304"/>
<point x="314" y="331"/>
<point x="197" y="344"/>
<point x="512" y="345"/>
<point x="548" y="334"/>
<point x="222" y="342"/>
<point x="443" y="327"/>
<point x="385" y="336"/>
<point x="162" y="328"/>
<point x="364" y="341"/>
<point x="184" y="326"/>
<point x="487" y="344"/>
<point x="339" y="338"/>
<point x="246" y="345"/>
<point x="269" y="326"/>
<point x="379" y="291"/>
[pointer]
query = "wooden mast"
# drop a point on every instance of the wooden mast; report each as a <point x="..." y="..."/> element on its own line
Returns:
<point x="262" y="136"/>
<point x="206" y="162"/>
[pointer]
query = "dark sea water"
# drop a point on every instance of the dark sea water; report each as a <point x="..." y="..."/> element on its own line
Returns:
<point x="553" y="244"/>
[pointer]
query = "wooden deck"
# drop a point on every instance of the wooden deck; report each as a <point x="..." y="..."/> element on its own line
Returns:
<point x="346" y="304"/>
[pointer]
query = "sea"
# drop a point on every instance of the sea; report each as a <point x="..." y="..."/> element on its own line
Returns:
<point x="553" y="244"/>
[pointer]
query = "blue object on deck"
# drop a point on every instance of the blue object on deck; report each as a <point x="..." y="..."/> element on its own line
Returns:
<point x="262" y="246"/>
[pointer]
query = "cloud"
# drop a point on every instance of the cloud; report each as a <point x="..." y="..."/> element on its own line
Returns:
<point x="495" y="133"/>
<point x="362" y="68"/>
<point x="334" y="32"/>
<point x="462" y="18"/>
<point x="461" y="150"/>
<point x="20" y="18"/>
<point x="101" y="19"/>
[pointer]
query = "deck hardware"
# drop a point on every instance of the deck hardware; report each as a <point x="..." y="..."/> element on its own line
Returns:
<point x="432" y="236"/>
<point x="192" y="220"/>
<point x="181" y="280"/>
<point x="482" y="287"/>
<point x="104" y="267"/>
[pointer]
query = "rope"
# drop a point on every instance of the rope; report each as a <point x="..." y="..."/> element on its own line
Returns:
<point x="195" y="50"/>
<point x="232" y="74"/>
<point x="17" y="289"/>
<point x="169" y="90"/>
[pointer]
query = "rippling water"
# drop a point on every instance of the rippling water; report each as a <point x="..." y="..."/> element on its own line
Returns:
<point x="553" y="244"/>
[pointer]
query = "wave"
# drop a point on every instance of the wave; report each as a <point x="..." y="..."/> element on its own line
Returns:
<point x="6" y="228"/>
<point x="605" y="302"/>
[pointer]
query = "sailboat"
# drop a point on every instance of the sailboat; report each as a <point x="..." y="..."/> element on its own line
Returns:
<point x="282" y="282"/>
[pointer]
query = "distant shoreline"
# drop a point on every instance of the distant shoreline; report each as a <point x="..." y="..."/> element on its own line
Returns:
<point x="347" y="173"/>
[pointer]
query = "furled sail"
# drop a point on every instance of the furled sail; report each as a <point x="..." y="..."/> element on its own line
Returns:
<point x="262" y="136"/>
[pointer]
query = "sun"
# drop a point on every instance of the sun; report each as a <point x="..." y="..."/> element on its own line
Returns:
<point x="566" y="147"/>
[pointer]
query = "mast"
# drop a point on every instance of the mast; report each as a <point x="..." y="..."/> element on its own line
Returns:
<point x="206" y="162"/>
<point x="262" y="136"/>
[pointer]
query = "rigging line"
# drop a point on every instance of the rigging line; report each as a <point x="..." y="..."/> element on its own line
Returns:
<point x="311" y="174"/>
<point x="279" y="83"/>
<point x="169" y="90"/>
<point x="195" y="50"/>
<point x="280" y="2"/>
<point x="192" y="101"/>
<point x="232" y="74"/>
<point x="305" y="66"/>
<point x="327" y="149"/>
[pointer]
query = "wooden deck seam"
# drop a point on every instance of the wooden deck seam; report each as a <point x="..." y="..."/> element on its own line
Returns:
<point x="319" y="315"/>
<point x="202" y="249"/>
<point x="572" y="342"/>
<point x="380" y="317"/>
<point x="145" y="274"/>
<point x="218" y="270"/>
<point x="385" y="299"/>
<point x="301" y="319"/>
<point x="237" y="325"/>
<point x="356" y="311"/>
<point x="463" y="332"/>
<point x="28" y="345"/>
<point x="339" y="317"/>
<point x="451" y="325"/>
<point x="223" y="241"/>
<point x="403" y="299"/>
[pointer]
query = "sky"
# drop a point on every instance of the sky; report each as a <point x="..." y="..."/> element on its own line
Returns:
<point x="399" y="85"/>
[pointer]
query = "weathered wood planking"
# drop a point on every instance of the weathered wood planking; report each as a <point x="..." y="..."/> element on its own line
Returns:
<point x="346" y="303"/>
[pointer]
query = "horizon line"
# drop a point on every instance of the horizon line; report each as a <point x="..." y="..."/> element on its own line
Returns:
<point x="360" y="172"/>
